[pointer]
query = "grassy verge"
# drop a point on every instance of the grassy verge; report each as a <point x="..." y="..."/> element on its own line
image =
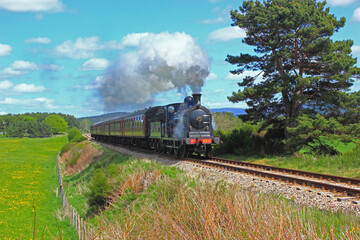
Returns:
<point x="28" y="181"/>
<point x="347" y="164"/>
<point x="151" y="201"/>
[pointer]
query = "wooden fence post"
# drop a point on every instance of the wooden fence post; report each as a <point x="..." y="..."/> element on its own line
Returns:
<point x="83" y="228"/>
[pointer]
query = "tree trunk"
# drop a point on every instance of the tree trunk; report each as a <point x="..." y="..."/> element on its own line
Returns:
<point x="287" y="104"/>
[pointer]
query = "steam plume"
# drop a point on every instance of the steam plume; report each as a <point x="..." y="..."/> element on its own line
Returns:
<point x="160" y="62"/>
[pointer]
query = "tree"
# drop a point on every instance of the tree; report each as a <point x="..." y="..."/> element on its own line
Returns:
<point x="302" y="68"/>
<point x="71" y="120"/>
<point x="56" y="123"/>
<point x="85" y="125"/>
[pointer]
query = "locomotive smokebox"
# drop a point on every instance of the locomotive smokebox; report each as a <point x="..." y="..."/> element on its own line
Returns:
<point x="197" y="98"/>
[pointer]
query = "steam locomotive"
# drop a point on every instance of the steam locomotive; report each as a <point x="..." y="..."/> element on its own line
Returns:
<point x="179" y="128"/>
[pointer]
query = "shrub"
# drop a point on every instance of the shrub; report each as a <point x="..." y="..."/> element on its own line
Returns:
<point x="75" y="135"/>
<point x="79" y="138"/>
<point x="243" y="140"/>
<point x="99" y="189"/>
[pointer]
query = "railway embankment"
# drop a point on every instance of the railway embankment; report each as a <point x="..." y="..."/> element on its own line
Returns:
<point x="151" y="196"/>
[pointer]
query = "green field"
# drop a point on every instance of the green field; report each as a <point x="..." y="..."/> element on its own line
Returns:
<point x="28" y="178"/>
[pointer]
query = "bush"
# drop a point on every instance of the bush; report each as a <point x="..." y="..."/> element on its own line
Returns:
<point x="242" y="141"/>
<point x="99" y="189"/>
<point x="79" y="138"/>
<point x="75" y="135"/>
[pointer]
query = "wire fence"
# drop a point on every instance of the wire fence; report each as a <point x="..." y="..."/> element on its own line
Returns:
<point x="83" y="228"/>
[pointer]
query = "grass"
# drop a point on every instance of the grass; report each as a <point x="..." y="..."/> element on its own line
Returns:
<point x="160" y="202"/>
<point x="28" y="181"/>
<point x="347" y="164"/>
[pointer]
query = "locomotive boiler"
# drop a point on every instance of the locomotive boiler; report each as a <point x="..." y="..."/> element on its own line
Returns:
<point x="180" y="129"/>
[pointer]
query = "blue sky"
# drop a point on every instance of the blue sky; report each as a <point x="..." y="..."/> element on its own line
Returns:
<point x="77" y="57"/>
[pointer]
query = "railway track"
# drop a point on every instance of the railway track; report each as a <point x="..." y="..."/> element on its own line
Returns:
<point x="341" y="187"/>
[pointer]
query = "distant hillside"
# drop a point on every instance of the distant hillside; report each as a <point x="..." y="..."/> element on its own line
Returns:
<point x="103" y="117"/>
<point x="235" y="111"/>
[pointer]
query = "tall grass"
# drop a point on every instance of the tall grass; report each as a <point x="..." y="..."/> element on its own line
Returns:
<point x="151" y="201"/>
<point x="218" y="212"/>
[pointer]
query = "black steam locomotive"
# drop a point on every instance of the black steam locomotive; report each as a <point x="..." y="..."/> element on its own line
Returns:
<point x="179" y="128"/>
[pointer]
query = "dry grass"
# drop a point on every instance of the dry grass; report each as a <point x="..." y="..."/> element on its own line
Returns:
<point x="138" y="182"/>
<point x="220" y="213"/>
<point x="85" y="154"/>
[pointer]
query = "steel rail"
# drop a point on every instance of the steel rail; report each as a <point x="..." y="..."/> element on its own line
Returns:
<point x="320" y="176"/>
<point x="278" y="176"/>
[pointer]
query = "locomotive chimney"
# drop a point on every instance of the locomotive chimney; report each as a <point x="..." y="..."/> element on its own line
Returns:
<point x="197" y="98"/>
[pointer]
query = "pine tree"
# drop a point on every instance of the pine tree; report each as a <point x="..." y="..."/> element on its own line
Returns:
<point x="302" y="68"/>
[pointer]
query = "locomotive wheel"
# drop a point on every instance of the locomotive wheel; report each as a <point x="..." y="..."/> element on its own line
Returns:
<point x="183" y="151"/>
<point x="177" y="152"/>
<point x="208" y="153"/>
<point x="163" y="150"/>
<point x="169" y="151"/>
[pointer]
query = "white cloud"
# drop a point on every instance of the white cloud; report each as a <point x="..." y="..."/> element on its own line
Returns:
<point x="356" y="50"/>
<point x="5" y="49"/>
<point x="133" y="39"/>
<point x="236" y="77"/>
<point x="28" y="88"/>
<point x="41" y="40"/>
<point x="340" y="2"/>
<point x="10" y="73"/>
<point x="81" y="48"/>
<point x="32" y="6"/>
<point x="95" y="64"/>
<point x="356" y="16"/>
<point x="226" y="34"/>
<point x="213" y="21"/>
<point x="30" y="103"/>
<point x="212" y="76"/>
<point x="84" y="47"/>
<point x="219" y="91"/>
<point x="23" y="66"/>
<point x="51" y="67"/>
<point x="17" y="68"/>
<point x="5" y="85"/>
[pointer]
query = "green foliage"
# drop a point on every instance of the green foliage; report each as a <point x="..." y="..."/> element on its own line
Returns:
<point x="226" y="121"/>
<point x="79" y="138"/>
<point x="56" y="123"/>
<point x="28" y="124"/>
<point x="70" y="119"/>
<point x="99" y="189"/>
<point x="16" y="128"/>
<point x="244" y="140"/>
<point x="303" y="69"/>
<point x="316" y="133"/>
<point x="72" y="133"/>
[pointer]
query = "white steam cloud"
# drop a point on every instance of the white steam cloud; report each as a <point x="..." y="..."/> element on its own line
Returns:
<point x="159" y="62"/>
